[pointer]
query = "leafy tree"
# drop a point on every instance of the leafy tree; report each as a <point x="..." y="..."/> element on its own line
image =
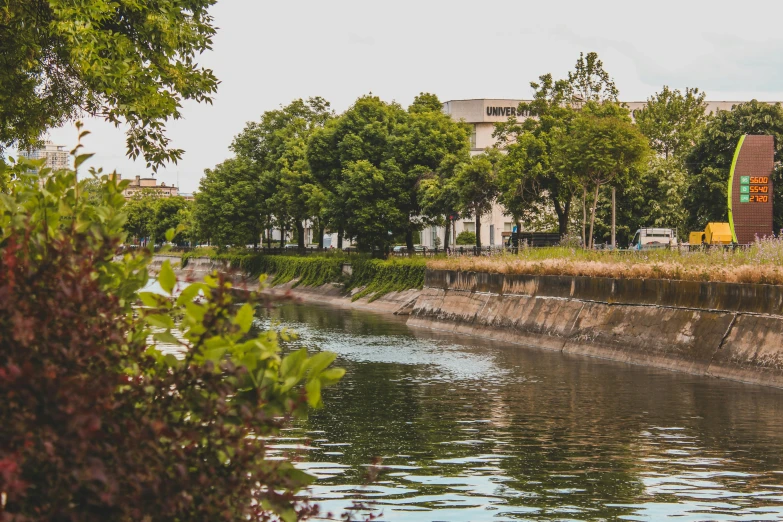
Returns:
<point x="170" y="213"/>
<point x="278" y="146"/>
<point x="604" y="147"/>
<point x="373" y="199"/>
<point x="530" y="179"/>
<point x="419" y="145"/>
<point x="709" y="162"/>
<point x="132" y="62"/>
<point x="476" y="182"/>
<point x="590" y="82"/>
<point x="96" y="423"/>
<point x="231" y="206"/>
<point x="140" y="210"/>
<point x="438" y="194"/>
<point x="673" y="121"/>
<point x="362" y="133"/>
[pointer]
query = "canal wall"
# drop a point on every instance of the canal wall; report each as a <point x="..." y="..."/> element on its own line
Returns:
<point x="732" y="331"/>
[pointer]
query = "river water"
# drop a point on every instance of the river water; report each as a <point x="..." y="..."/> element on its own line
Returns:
<point x="467" y="429"/>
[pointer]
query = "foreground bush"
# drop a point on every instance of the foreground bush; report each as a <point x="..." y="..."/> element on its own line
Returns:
<point x="96" y="424"/>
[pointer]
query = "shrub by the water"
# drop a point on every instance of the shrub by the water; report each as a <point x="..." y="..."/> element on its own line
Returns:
<point x="96" y="423"/>
<point x="307" y="270"/>
<point x="380" y="277"/>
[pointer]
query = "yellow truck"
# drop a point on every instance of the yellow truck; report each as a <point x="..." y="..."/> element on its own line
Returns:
<point x="714" y="234"/>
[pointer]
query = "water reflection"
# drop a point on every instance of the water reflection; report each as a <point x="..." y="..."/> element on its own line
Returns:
<point x="469" y="429"/>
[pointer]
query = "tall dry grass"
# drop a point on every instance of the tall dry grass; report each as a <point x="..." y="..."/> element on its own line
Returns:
<point x="761" y="263"/>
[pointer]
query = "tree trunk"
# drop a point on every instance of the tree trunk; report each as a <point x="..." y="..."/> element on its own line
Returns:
<point x="300" y="229"/>
<point x="447" y="232"/>
<point x="562" y="215"/>
<point x="269" y="237"/>
<point x="321" y="230"/>
<point x="478" y="231"/>
<point x="282" y="237"/>
<point x="592" y="216"/>
<point x="614" y="213"/>
<point x="409" y="241"/>
<point x="340" y="238"/>
<point x="584" y="216"/>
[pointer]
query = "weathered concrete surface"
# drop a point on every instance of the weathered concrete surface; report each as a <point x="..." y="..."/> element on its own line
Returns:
<point x="732" y="331"/>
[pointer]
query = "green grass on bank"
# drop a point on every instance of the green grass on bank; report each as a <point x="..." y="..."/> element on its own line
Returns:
<point x="374" y="277"/>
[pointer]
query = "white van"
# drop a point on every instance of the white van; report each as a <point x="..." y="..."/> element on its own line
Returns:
<point x="646" y="238"/>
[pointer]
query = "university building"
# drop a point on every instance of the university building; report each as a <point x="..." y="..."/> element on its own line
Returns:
<point x="140" y="185"/>
<point x="482" y="115"/>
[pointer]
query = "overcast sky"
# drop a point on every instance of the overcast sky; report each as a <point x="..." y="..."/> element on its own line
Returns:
<point x="269" y="53"/>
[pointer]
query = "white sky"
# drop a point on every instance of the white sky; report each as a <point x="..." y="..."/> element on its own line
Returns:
<point x="269" y="53"/>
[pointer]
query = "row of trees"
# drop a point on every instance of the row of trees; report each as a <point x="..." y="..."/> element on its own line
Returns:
<point x="379" y="172"/>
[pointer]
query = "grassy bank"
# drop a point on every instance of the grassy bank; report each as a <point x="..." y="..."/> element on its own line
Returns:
<point x="374" y="277"/>
<point x="377" y="278"/>
<point x="761" y="263"/>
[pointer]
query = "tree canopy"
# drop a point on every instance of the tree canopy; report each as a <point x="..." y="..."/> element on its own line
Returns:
<point x="128" y="62"/>
<point x="673" y="121"/>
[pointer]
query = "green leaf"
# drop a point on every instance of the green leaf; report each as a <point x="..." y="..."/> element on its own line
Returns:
<point x="319" y="362"/>
<point x="313" y="389"/>
<point x="160" y="320"/>
<point x="331" y="376"/>
<point x="292" y="363"/>
<point x="170" y="235"/>
<point x="81" y="158"/>
<point x="152" y="299"/>
<point x="166" y="278"/>
<point x="188" y="294"/>
<point x="166" y="337"/>
<point x="244" y="317"/>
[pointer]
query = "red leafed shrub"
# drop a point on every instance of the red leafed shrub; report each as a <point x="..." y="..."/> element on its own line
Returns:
<point x="95" y="423"/>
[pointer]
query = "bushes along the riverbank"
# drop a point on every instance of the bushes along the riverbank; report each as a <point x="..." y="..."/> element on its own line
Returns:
<point x="373" y="276"/>
<point x="381" y="277"/>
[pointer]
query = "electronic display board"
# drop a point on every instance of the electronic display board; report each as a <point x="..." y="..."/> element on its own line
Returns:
<point x="750" y="188"/>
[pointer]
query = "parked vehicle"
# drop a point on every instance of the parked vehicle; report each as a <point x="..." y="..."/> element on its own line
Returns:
<point x="650" y="238"/>
<point x="714" y="234"/>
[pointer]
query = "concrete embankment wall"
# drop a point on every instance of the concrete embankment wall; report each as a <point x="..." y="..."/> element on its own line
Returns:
<point x="733" y="331"/>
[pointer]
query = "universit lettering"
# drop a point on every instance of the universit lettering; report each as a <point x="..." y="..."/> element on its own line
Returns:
<point x="502" y="111"/>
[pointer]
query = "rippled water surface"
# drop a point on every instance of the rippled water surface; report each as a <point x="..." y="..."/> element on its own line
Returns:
<point x="469" y="429"/>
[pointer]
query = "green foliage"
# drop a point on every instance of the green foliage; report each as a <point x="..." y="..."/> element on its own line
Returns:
<point x="131" y="62"/>
<point x="309" y="270"/>
<point x="97" y="419"/>
<point x="673" y="121"/>
<point x="380" y="277"/>
<point x="709" y="161"/>
<point x="476" y="185"/>
<point x="466" y="238"/>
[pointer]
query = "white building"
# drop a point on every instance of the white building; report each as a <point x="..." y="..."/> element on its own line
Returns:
<point x="57" y="158"/>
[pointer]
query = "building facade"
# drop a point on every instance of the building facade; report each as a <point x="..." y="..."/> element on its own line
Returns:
<point x="57" y="158"/>
<point x="140" y="185"/>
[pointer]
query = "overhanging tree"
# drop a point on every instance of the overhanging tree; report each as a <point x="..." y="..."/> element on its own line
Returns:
<point x="127" y="62"/>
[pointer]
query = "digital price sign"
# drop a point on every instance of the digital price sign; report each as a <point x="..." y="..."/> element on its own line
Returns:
<point x="750" y="188"/>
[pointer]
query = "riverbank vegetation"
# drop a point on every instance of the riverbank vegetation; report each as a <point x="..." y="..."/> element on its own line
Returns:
<point x="376" y="278"/>
<point x="97" y="420"/>
<point x="760" y="263"/>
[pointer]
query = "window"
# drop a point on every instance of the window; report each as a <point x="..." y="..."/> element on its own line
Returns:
<point x="469" y="226"/>
<point x="508" y="227"/>
<point x="473" y="137"/>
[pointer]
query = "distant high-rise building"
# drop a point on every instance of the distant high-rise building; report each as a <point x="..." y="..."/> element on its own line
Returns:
<point x="57" y="158"/>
